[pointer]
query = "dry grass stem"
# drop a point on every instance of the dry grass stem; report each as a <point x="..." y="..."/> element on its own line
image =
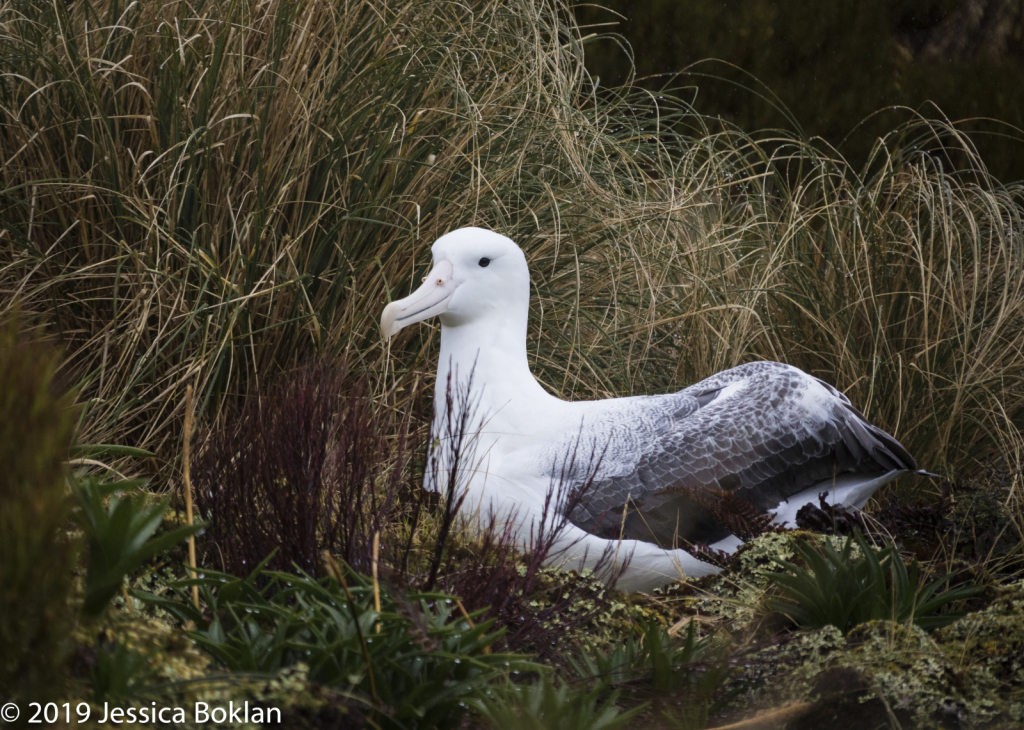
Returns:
<point x="187" y="483"/>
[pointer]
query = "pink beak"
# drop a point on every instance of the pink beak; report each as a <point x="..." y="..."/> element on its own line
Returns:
<point x="428" y="301"/>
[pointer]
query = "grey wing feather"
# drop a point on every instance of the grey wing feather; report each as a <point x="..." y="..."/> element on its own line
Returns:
<point x="763" y="445"/>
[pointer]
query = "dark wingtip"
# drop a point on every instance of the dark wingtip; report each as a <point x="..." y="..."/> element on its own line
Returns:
<point x="883" y="447"/>
<point x="887" y="448"/>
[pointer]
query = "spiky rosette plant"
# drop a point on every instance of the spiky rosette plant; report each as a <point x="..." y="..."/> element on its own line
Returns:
<point x="846" y="588"/>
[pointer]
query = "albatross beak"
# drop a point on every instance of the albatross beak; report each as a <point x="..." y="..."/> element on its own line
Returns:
<point x="429" y="300"/>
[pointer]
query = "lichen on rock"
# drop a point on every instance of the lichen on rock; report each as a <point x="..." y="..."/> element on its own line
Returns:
<point x="734" y="594"/>
<point x="990" y="645"/>
<point x="879" y="669"/>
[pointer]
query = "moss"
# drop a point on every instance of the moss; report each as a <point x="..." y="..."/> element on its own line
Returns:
<point x="967" y="675"/>
<point x="171" y="656"/>
<point x="912" y="672"/>
<point x="734" y="594"/>
<point x="306" y="704"/>
<point x="990" y="645"/>
<point x="882" y="668"/>
<point x="178" y="674"/>
<point x="780" y="672"/>
<point x="600" y="616"/>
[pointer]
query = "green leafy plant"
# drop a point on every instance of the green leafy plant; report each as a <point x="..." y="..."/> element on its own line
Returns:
<point x="652" y="660"/>
<point x="119" y="671"/>
<point x="651" y="652"/>
<point x="119" y="531"/>
<point x="543" y="705"/>
<point x="416" y="660"/>
<point x="844" y="589"/>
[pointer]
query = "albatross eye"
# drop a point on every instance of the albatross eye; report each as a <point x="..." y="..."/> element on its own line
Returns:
<point x="484" y="261"/>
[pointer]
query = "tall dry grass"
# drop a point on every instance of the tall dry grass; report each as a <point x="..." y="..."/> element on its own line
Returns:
<point x="207" y="192"/>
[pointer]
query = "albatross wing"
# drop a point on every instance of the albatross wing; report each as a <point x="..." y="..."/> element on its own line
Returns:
<point x="765" y="432"/>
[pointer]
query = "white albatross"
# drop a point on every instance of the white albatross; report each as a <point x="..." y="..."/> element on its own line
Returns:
<point x="763" y="431"/>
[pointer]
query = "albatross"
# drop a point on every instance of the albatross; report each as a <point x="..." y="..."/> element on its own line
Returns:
<point x="765" y="432"/>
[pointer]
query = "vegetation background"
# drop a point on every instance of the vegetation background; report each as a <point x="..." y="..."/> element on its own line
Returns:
<point x="211" y="194"/>
<point x="845" y="73"/>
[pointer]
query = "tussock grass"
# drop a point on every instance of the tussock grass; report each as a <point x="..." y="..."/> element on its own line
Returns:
<point x="205" y="192"/>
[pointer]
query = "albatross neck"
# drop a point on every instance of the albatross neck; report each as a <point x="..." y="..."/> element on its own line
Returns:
<point x="494" y="352"/>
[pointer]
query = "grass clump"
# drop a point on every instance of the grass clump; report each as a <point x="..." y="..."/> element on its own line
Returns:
<point x="36" y="553"/>
<point x="547" y="705"/>
<point x="214" y="194"/>
<point x="844" y="589"/>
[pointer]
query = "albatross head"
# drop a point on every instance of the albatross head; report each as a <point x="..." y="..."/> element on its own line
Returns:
<point x="477" y="274"/>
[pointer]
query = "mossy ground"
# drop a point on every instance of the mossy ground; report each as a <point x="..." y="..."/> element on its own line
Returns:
<point x="969" y="674"/>
<point x="179" y="674"/>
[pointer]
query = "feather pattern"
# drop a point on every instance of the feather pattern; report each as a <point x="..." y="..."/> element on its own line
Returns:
<point x="763" y="432"/>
